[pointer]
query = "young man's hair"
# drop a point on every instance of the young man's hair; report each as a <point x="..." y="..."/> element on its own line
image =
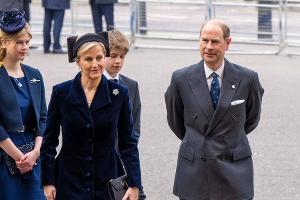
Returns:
<point x="117" y="40"/>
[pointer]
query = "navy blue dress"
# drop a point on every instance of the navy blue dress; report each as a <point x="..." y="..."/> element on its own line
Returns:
<point x="26" y="186"/>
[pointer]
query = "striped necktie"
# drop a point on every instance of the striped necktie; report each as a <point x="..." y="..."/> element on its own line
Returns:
<point x="215" y="89"/>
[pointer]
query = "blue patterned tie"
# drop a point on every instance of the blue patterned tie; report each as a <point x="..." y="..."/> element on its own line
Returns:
<point x="215" y="89"/>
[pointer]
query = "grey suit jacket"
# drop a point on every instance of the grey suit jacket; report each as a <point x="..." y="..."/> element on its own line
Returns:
<point x="135" y="101"/>
<point x="6" y="5"/>
<point x="214" y="159"/>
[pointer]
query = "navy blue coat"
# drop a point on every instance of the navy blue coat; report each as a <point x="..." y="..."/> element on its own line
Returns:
<point x="87" y="160"/>
<point x="56" y="4"/>
<point x="10" y="114"/>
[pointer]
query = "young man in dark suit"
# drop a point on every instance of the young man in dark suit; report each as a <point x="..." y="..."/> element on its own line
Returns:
<point x="211" y="107"/>
<point x="119" y="46"/>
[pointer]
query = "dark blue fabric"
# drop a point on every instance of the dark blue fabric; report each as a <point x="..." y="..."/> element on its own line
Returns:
<point x="215" y="89"/>
<point x="106" y="10"/>
<point x="58" y="17"/>
<point x="24" y="100"/>
<point x="87" y="160"/>
<point x="26" y="186"/>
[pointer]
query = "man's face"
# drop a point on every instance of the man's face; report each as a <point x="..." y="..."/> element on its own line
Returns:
<point x="114" y="63"/>
<point x="213" y="45"/>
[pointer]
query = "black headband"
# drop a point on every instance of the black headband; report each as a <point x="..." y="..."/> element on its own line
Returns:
<point x="12" y="21"/>
<point x="74" y="43"/>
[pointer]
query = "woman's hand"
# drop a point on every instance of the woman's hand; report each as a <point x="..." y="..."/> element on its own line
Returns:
<point x="131" y="194"/>
<point x="29" y="159"/>
<point x="50" y="192"/>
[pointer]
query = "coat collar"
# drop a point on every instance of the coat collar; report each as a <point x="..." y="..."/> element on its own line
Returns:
<point x="76" y="94"/>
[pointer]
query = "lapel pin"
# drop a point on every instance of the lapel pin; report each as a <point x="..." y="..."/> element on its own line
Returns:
<point x="233" y="86"/>
<point x="34" y="80"/>
<point x="115" y="92"/>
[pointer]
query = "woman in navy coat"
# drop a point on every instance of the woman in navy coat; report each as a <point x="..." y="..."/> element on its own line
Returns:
<point x="90" y="110"/>
<point x="22" y="112"/>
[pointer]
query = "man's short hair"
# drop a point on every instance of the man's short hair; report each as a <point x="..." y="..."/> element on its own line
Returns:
<point x="221" y="24"/>
<point x="117" y="40"/>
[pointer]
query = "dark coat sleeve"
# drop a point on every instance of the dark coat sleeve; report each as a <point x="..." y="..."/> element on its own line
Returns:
<point x="51" y="135"/>
<point x="253" y="104"/>
<point x="136" y="111"/>
<point x="128" y="144"/>
<point x="174" y="108"/>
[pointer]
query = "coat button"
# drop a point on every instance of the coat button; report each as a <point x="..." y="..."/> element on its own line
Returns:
<point x="90" y="158"/>
<point x="195" y="116"/>
<point x="88" y="174"/>
<point x="88" y="189"/>
<point x="88" y="125"/>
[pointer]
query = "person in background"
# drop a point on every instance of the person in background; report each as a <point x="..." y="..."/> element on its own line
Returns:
<point x="103" y="8"/>
<point x="22" y="112"/>
<point x="54" y="11"/>
<point x="211" y="107"/>
<point x="91" y="113"/>
<point x="118" y="47"/>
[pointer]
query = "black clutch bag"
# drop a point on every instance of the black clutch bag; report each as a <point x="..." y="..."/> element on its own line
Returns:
<point x="117" y="187"/>
<point x="11" y="163"/>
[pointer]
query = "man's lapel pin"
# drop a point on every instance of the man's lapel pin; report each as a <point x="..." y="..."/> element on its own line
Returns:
<point x="233" y="86"/>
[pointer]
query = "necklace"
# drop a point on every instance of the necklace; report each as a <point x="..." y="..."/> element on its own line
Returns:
<point x="18" y="82"/>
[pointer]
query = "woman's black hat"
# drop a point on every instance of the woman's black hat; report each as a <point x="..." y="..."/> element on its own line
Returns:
<point x="12" y="21"/>
<point x="74" y="43"/>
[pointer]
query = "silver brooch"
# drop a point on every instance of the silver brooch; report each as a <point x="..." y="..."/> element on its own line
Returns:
<point x="34" y="80"/>
<point x="115" y="91"/>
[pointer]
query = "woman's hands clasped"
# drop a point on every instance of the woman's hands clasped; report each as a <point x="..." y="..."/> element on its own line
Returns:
<point x="131" y="194"/>
<point x="27" y="161"/>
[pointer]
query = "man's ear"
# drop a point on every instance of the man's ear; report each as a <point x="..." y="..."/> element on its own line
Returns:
<point x="228" y="42"/>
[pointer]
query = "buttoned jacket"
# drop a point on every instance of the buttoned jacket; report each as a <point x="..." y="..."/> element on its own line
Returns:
<point x="87" y="160"/>
<point x="214" y="159"/>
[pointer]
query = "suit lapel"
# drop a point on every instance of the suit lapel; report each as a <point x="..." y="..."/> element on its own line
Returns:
<point x="101" y="97"/>
<point x="230" y="85"/>
<point x="34" y="85"/>
<point x="198" y="84"/>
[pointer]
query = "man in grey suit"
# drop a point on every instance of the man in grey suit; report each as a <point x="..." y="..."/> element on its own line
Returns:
<point x="211" y="107"/>
<point x="119" y="46"/>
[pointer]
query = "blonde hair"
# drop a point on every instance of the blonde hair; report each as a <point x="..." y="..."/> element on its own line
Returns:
<point x="87" y="46"/>
<point x="6" y="36"/>
<point x="117" y="40"/>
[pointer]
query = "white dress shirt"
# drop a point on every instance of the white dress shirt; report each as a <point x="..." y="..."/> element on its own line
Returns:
<point x="209" y="71"/>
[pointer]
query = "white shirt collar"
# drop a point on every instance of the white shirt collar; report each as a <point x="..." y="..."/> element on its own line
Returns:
<point x="219" y="71"/>
<point x="108" y="76"/>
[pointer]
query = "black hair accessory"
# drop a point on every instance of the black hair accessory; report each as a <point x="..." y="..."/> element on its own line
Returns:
<point x="12" y="21"/>
<point x="73" y="43"/>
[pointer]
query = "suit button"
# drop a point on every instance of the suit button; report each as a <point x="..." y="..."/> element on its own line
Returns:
<point x="88" y="125"/>
<point x="88" y="174"/>
<point x="90" y="158"/>
<point x="195" y="116"/>
<point x="90" y="140"/>
<point x="88" y="189"/>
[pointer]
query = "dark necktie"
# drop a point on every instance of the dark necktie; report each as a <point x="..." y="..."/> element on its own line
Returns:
<point x="115" y="80"/>
<point x="215" y="89"/>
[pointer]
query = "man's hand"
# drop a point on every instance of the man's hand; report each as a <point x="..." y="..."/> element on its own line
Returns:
<point x="50" y="192"/>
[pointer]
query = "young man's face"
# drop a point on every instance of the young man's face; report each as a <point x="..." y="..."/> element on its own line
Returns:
<point x="114" y="63"/>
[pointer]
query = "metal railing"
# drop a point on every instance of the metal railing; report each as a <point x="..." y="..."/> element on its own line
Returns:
<point x="257" y="26"/>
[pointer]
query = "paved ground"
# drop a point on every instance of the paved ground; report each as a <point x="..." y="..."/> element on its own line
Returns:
<point x="275" y="142"/>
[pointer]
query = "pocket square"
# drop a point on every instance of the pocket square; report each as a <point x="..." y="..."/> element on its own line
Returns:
<point x="237" y="102"/>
